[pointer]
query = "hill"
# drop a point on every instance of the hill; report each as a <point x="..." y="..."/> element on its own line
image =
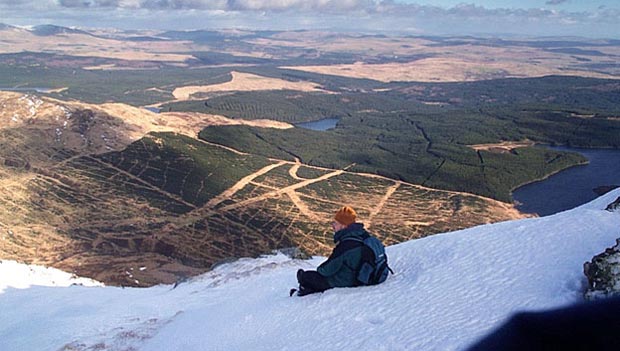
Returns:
<point x="448" y="291"/>
<point x="402" y="100"/>
<point x="99" y="189"/>
<point x="430" y="129"/>
<point x="51" y="30"/>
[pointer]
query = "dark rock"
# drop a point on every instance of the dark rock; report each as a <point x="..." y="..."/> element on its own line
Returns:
<point x="603" y="274"/>
<point x="295" y="253"/>
<point x="164" y="248"/>
<point x="13" y="163"/>
<point x="614" y="206"/>
<point x="83" y="120"/>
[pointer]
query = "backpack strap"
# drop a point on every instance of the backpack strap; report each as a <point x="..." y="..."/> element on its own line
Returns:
<point x="367" y="253"/>
<point x="353" y="239"/>
<point x="361" y="241"/>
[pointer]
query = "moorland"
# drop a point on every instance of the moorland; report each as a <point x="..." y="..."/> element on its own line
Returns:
<point x="433" y="134"/>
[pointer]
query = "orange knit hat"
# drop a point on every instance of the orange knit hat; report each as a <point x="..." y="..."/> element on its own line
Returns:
<point x="346" y="215"/>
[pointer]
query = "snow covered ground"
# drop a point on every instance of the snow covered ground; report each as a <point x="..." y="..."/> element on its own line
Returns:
<point x="448" y="291"/>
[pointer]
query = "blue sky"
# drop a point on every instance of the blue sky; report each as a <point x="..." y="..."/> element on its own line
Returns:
<point x="597" y="18"/>
<point x="569" y="5"/>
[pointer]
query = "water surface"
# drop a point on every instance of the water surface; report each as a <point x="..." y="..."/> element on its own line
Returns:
<point x="572" y="187"/>
<point x="27" y="89"/>
<point x="320" y="125"/>
<point x="153" y="109"/>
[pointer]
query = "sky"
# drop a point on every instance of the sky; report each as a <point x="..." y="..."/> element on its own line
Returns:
<point x="448" y="290"/>
<point x="592" y="18"/>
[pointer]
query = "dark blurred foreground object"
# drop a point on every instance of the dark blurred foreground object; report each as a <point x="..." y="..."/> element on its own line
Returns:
<point x="603" y="274"/>
<point x="591" y="326"/>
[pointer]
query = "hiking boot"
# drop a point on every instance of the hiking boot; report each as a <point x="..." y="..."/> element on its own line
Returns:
<point x="300" y="274"/>
<point x="303" y="291"/>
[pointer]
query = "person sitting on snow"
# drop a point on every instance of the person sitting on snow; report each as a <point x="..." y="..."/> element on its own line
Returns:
<point x="342" y="268"/>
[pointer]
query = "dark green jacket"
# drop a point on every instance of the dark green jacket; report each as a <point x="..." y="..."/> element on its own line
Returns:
<point x="343" y="264"/>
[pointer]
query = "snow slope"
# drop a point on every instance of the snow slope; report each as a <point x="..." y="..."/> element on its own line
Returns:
<point x="16" y="275"/>
<point x="448" y="290"/>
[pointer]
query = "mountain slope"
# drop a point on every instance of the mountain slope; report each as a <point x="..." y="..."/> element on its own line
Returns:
<point x="448" y="290"/>
<point x="85" y="189"/>
<point x="50" y="30"/>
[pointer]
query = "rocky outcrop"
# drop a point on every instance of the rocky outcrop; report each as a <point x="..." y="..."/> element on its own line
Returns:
<point x="295" y="253"/>
<point x="603" y="274"/>
<point x="614" y="206"/>
<point x="15" y="163"/>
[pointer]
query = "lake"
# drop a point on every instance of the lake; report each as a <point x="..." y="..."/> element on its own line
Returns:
<point x="152" y="109"/>
<point x="320" y="125"/>
<point x="27" y="89"/>
<point x="572" y="187"/>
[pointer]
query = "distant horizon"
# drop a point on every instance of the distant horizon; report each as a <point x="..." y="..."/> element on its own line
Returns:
<point x="531" y="18"/>
<point x="395" y="33"/>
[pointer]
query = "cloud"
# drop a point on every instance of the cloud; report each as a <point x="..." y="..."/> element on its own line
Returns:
<point x="555" y="2"/>
<point x="357" y="15"/>
<point x="89" y="3"/>
<point x="28" y="4"/>
<point x="224" y="5"/>
<point x="305" y="5"/>
<point x="385" y="7"/>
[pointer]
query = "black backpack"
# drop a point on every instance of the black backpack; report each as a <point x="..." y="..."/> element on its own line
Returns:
<point x="374" y="269"/>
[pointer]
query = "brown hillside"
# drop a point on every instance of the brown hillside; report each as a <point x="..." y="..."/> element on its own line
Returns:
<point x="84" y="188"/>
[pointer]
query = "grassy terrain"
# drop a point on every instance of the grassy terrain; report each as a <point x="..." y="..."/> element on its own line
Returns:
<point x="183" y="166"/>
<point x="131" y="86"/>
<point x="421" y="133"/>
<point x="443" y="165"/>
<point x="416" y="132"/>
<point x="156" y="204"/>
